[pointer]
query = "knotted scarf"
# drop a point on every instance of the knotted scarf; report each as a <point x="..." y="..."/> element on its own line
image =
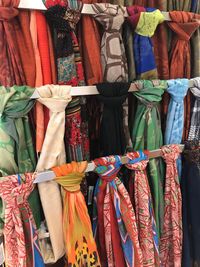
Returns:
<point x="194" y="133"/>
<point x="79" y="241"/>
<point x="148" y="236"/>
<point x="56" y="99"/>
<point x="146" y="134"/>
<point x="183" y="25"/>
<point x="171" y="237"/>
<point x="16" y="146"/>
<point x="114" y="223"/>
<point x="175" y="117"/>
<point x="190" y="186"/>
<point x="144" y="25"/>
<point x="113" y="58"/>
<point x="11" y="71"/>
<point x="112" y="136"/>
<point x="21" y="243"/>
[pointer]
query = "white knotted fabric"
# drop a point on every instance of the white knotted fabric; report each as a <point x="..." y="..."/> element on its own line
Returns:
<point x="56" y="99"/>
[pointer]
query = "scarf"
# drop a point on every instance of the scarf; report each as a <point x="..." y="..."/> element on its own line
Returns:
<point x="11" y="71"/>
<point x="114" y="223"/>
<point x="146" y="134"/>
<point x="80" y="247"/>
<point x="53" y="153"/>
<point x="171" y="238"/>
<point x="195" y="6"/>
<point x="21" y="241"/>
<point x="113" y="58"/>
<point x="143" y="47"/>
<point x="177" y="5"/>
<point x="194" y="133"/>
<point x="112" y="136"/>
<point x="148" y="237"/>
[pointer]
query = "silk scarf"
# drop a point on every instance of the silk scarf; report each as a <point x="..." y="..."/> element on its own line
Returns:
<point x="56" y="99"/>
<point x="80" y="246"/>
<point x="171" y="237"/>
<point x="113" y="58"/>
<point x="147" y="231"/>
<point x="146" y="133"/>
<point x="114" y="223"/>
<point x="144" y="25"/>
<point x="194" y="133"/>
<point x="21" y="240"/>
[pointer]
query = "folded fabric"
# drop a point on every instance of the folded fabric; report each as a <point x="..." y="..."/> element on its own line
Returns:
<point x="113" y="57"/>
<point x="21" y="240"/>
<point x="55" y="98"/>
<point x="194" y="133"/>
<point x="147" y="231"/>
<point x="171" y="237"/>
<point x="80" y="245"/>
<point x="114" y="223"/>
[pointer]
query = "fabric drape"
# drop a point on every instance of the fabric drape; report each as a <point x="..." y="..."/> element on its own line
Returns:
<point x="21" y="243"/>
<point x="11" y="70"/>
<point x="146" y="134"/>
<point x="190" y="186"/>
<point x="114" y="223"/>
<point x="148" y="236"/>
<point x="53" y="153"/>
<point x="80" y="247"/>
<point x="194" y="133"/>
<point x="113" y="58"/>
<point x="171" y="237"/>
<point x="112" y="136"/>
<point x="184" y="5"/>
<point x="144" y="25"/>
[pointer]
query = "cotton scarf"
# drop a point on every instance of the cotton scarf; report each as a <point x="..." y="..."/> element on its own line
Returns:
<point x="171" y="237"/>
<point x="56" y="99"/>
<point x="114" y="223"/>
<point x="146" y="134"/>
<point x="112" y="136"/>
<point x="144" y="25"/>
<point x="21" y="241"/>
<point x="79" y="242"/>
<point x="148" y="237"/>
<point x="194" y="133"/>
<point x="113" y="58"/>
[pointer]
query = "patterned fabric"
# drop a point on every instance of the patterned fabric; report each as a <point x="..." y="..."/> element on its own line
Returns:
<point x="171" y="238"/>
<point x="175" y="118"/>
<point x="114" y="223"/>
<point x="80" y="247"/>
<point x="113" y="58"/>
<point x="194" y="133"/>
<point x="112" y="134"/>
<point x="53" y="153"/>
<point x="21" y="244"/>
<point x="147" y="231"/>
<point x="144" y="24"/>
<point x="146" y="134"/>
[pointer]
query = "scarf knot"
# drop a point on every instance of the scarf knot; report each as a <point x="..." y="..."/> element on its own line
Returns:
<point x="170" y="153"/>
<point x="178" y="89"/>
<point x="8" y="13"/>
<point x="108" y="167"/>
<point x="72" y="16"/>
<point x="196" y="89"/>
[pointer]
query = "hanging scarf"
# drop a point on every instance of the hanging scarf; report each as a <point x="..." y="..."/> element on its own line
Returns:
<point x="190" y="186"/>
<point x="183" y="25"/>
<point x="114" y="222"/>
<point x="11" y="71"/>
<point x="112" y="136"/>
<point x="194" y="133"/>
<point x="171" y="238"/>
<point x="113" y="58"/>
<point x="148" y="237"/>
<point x="80" y="246"/>
<point x="53" y="153"/>
<point x="21" y="243"/>
<point x="147" y="134"/>
<point x="144" y="24"/>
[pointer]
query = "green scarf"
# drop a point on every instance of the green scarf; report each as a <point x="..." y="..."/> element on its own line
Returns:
<point x="16" y="147"/>
<point x="147" y="134"/>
